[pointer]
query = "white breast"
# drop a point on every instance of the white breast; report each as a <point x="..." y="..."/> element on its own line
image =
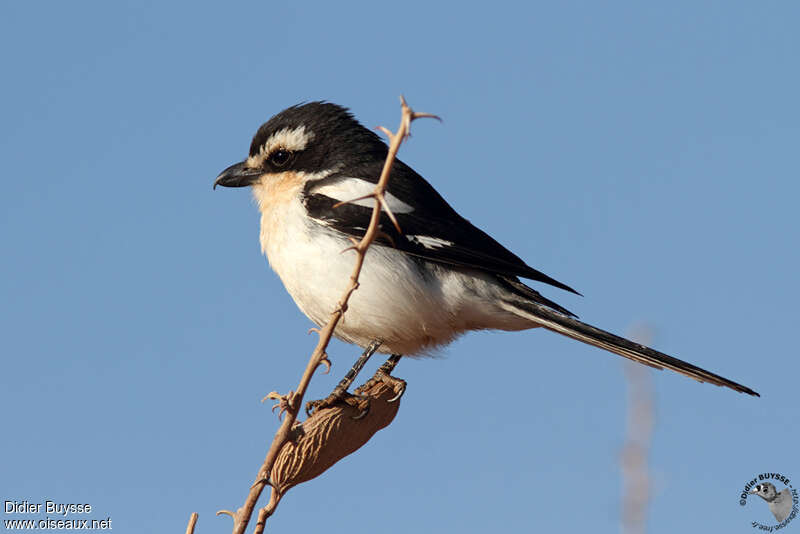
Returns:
<point x="412" y="310"/>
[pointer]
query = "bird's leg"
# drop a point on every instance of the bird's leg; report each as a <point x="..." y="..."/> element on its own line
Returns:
<point x="340" y="391"/>
<point x="384" y="374"/>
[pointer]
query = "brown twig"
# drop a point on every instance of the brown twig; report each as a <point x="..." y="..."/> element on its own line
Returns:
<point x="291" y="403"/>
<point x="192" y="523"/>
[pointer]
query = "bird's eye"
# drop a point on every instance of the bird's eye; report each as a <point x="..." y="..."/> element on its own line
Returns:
<point x="280" y="157"/>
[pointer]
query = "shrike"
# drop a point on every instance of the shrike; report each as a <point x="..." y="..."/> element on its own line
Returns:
<point x="419" y="288"/>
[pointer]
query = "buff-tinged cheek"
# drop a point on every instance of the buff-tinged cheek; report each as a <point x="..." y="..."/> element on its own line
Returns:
<point x="278" y="197"/>
<point x="274" y="190"/>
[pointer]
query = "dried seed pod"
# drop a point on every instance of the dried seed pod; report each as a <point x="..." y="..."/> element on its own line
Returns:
<point x="332" y="433"/>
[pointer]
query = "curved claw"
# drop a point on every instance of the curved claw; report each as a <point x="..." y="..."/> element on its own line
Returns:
<point x="362" y="415"/>
<point x="284" y="401"/>
<point x="365" y="411"/>
<point x="310" y="405"/>
<point x="271" y="395"/>
<point x="399" y="395"/>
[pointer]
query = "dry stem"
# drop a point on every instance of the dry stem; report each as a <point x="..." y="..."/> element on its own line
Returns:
<point x="192" y="523"/>
<point x="292" y="402"/>
<point x="641" y="419"/>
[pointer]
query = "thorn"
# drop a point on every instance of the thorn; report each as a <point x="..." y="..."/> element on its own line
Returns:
<point x="227" y="512"/>
<point x="386" y="132"/>
<point x="419" y="115"/>
<point x="348" y="249"/>
<point x="343" y="202"/>
<point x="387" y="236"/>
<point x="314" y="330"/>
<point x="263" y="480"/>
<point x="389" y="213"/>
<point x="326" y="362"/>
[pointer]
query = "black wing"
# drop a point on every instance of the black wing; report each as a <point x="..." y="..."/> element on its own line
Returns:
<point x="431" y="228"/>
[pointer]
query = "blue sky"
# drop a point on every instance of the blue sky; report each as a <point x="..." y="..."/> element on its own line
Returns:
<point x="645" y="154"/>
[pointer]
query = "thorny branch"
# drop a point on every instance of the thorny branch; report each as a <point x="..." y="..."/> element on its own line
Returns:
<point x="290" y="404"/>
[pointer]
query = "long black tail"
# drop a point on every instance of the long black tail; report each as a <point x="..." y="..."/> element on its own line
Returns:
<point x="570" y="327"/>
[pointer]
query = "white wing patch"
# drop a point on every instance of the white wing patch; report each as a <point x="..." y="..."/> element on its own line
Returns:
<point x="350" y="188"/>
<point x="291" y="139"/>
<point x="429" y="242"/>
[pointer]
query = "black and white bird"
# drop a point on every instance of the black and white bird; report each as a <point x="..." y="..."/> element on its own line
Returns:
<point x="780" y="504"/>
<point x="419" y="288"/>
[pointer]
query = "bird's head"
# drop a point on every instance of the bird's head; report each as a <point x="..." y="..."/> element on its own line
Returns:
<point x="304" y="141"/>
<point x="766" y="491"/>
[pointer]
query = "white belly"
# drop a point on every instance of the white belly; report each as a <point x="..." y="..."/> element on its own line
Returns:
<point x="411" y="311"/>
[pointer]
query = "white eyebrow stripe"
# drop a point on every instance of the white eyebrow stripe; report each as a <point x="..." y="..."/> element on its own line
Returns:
<point x="292" y="139"/>
<point x="349" y="188"/>
<point x="430" y="242"/>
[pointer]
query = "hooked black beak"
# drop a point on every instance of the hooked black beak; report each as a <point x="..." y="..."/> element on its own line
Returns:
<point x="237" y="175"/>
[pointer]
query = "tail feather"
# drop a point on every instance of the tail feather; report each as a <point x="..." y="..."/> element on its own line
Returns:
<point x="575" y="329"/>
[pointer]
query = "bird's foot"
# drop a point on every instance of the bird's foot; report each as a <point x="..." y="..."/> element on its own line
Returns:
<point x="381" y="375"/>
<point x="284" y="402"/>
<point x="338" y="396"/>
<point x="358" y="398"/>
<point x="339" y="393"/>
